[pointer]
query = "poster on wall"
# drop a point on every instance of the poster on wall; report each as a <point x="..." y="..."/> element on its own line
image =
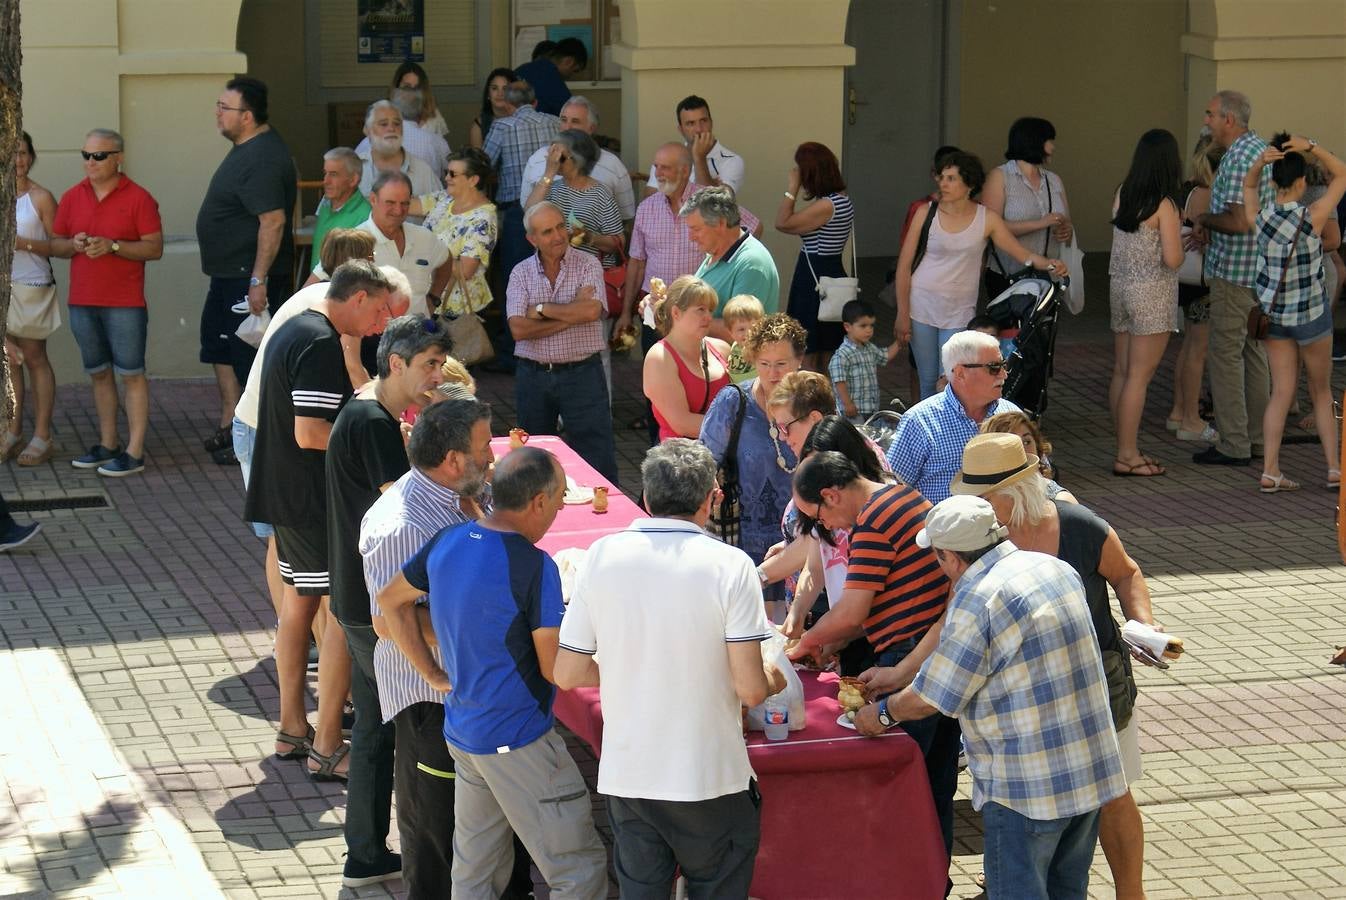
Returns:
<point x="390" y="31"/>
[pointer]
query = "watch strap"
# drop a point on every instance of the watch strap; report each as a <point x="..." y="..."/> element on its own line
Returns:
<point x="884" y="719"/>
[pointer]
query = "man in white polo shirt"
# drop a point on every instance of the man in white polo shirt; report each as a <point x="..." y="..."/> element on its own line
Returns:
<point x="712" y="162"/>
<point x="674" y="677"/>
<point x="609" y="171"/>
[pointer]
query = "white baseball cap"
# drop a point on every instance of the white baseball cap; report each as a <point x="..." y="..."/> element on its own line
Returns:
<point x="962" y="522"/>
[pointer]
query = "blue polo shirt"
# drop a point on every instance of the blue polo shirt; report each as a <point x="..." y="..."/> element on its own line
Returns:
<point x="746" y="268"/>
<point x="489" y="591"/>
<point x="927" y="450"/>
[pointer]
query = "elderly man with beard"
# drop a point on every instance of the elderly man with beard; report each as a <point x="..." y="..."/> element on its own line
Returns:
<point x="383" y="128"/>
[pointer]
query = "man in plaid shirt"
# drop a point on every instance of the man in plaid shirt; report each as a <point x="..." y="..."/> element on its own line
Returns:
<point x="509" y="143"/>
<point x="1018" y="664"/>
<point x="556" y="303"/>
<point x="1240" y="383"/>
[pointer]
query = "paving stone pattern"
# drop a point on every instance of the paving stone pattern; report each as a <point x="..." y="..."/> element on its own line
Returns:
<point x="137" y="653"/>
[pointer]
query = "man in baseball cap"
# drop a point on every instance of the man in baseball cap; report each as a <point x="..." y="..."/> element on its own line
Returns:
<point x="1018" y="664"/>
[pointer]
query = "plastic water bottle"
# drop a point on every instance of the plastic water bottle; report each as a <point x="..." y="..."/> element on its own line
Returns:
<point x="777" y="716"/>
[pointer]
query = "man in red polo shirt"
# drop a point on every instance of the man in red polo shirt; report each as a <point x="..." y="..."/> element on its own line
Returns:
<point x="109" y="226"/>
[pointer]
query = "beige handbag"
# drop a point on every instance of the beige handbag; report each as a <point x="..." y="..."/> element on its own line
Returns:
<point x="471" y="343"/>
<point x="33" y="311"/>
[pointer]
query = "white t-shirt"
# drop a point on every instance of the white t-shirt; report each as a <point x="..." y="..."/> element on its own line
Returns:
<point x="608" y="171"/>
<point x="671" y="723"/>
<point x="423" y="180"/>
<point x="302" y="301"/>
<point x="723" y="163"/>
<point x="424" y="253"/>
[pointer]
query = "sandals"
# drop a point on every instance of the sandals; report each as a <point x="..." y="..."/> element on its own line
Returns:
<point x="223" y="437"/>
<point x="299" y="746"/>
<point x="1278" y="483"/>
<point x="1339" y="659"/>
<point x="1151" y="466"/>
<point x="37" y="452"/>
<point x="326" y="770"/>
<point x="7" y="445"/>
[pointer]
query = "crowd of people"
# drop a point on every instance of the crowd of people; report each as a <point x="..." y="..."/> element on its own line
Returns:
<point x="948" y="571"/>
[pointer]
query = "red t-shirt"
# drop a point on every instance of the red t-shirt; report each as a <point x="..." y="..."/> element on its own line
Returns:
<point x="127" y="214"/>
<point x="699" y="391"/>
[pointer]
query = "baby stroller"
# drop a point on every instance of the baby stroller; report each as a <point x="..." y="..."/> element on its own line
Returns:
<point x="1031" y="304"/>
<point x="881" y="427"/>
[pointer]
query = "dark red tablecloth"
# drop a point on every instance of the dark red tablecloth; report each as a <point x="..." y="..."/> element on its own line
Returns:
<point x="840" y="813"/>
<point x="578" y="526"/>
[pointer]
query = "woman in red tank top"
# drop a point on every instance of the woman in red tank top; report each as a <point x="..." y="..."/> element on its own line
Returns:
<point x="685" y="370"/>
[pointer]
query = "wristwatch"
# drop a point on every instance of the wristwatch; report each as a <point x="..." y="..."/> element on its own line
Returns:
<point x="254" y="281"/>
<point x="1312" y="144"/>
<point x="539" y="311"/>
<point x="761" y="576"/>
<point x="884" y="719"/>
<point x="116" y="247"/>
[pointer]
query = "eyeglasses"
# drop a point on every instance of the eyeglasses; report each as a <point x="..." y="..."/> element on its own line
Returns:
<point x="783" y="428"/>
<point x="219" y="104"/>
<point x="452" y="174"/>
<point x="98" y="155"/>
<point x="994" y="368"/>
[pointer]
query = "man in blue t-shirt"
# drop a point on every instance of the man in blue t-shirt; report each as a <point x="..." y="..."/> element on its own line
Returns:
<point x="495" y="607"/>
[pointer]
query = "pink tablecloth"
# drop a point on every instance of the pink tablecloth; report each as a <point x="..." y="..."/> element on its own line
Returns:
<point x="841" y="813"/>
<point x="578" y="526"/>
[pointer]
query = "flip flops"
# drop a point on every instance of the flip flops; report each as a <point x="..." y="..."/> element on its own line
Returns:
<point x="1122" y="470"/>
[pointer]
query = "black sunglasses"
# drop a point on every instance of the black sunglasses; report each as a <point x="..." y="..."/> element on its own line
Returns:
<point x="994" y="368"/>
<point x="98" y="155"/>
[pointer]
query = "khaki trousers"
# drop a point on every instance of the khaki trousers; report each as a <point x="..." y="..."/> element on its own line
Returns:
<point x="1240" y="383"/>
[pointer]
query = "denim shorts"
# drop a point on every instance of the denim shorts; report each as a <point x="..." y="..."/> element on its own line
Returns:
<point x="110" y="336"/>
<point x="1303" y="335"/>
<point x="245" y="438"/>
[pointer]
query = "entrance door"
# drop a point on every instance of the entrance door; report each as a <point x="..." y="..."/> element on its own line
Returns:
<point x="895" y="115"/>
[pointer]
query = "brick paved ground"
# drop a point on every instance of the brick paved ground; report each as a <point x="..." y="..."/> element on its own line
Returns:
<point x="137" y="661"/>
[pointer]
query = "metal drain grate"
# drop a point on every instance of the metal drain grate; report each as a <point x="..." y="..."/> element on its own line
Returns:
<point x="48" y="504"/>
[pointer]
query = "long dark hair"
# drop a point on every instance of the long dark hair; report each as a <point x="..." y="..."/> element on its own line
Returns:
<point x="487" y="111"/>
<point x="837" y="433"/>
<point x="1155" y="175"/>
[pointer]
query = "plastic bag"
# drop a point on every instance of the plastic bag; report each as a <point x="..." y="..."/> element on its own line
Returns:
<point x="252" y="329"/>
<point x="773" y="650"/>
<point x="1073" y="257"/>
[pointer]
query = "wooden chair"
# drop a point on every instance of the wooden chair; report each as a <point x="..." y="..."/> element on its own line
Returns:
<point x="303" y="231"/>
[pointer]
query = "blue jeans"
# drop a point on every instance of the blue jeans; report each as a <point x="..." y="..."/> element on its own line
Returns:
<point x="369" y="792"/>
<point x="245" y="439"/>
<point x="110" y="336"/>
<point x="926" y="342"/>
<point x="939" y="737"/>
<point x="1029" y="858"/>
<point x="579" y="395"/>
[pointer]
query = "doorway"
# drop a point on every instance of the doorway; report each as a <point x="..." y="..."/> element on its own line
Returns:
<point x="897" y="112"/>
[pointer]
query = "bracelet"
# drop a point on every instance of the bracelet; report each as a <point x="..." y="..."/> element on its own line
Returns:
<point x="789" y="195"/>
<point x="761" y="575"/>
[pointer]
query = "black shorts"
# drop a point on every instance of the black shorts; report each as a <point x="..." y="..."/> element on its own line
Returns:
<point x="302" y="554"/>
<point x="220" y="344"/>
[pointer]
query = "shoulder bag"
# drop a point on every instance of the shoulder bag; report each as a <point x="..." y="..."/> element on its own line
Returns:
<point x="998" y="281"/>
<point x="614" y="281"/>
<point x="923" y="242"/>
<point x="726" y="515"/>
<point x="1259" y="323"/>
<point x="835" y="293"/>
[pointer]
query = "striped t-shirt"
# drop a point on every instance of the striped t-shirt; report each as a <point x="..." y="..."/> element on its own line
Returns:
<point x="910" y="590"/>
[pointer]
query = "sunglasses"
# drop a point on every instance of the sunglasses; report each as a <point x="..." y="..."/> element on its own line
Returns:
<point x="995" y="368"/>
<point x="98" y="155"/>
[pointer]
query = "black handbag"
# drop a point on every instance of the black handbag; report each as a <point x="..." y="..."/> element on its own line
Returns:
<point x="726" y="515"/>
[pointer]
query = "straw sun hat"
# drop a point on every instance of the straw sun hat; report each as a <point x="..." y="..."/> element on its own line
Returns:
<point x="992" y="461"/>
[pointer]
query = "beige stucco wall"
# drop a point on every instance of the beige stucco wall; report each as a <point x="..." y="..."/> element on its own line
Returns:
<point x="1102" y="71"/>
<point x="152" y="70"/>
<point x="772" y="71"/>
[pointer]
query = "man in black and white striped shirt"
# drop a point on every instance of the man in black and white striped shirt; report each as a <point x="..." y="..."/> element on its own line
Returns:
<point x="450" y="455"/>
<point x="304" y="386"/>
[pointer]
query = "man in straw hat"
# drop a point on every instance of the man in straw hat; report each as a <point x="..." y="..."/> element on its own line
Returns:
<point x="1018" y="664"/>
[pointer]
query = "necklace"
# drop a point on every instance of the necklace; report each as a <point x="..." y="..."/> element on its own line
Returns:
<point x="780" y="456"/>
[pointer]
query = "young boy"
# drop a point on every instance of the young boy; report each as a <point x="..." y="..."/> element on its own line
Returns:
<point x="740" y="314"/>
<point x="987" y="325"/>
<point x="854" y="367"/>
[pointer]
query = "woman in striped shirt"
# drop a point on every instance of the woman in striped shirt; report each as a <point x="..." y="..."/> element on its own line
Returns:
<point x="824" y="226"/>
<point x="589" y="207"/>
<point x="1292" y="287"/>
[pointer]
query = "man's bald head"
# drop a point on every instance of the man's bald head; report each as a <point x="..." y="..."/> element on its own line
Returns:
<point x="672" y="168"/>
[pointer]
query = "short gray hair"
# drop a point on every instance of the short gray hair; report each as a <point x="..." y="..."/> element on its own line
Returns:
<point x="347" y="157"/>
<point x="519" y="93"/>
<point x="1029" y="496"/>
<point x="523" y="474"/>
<point x="581" y="100"/>
<point x="536" y="208"/>
<point x="716" y="206"/>
<point x="107" y="134"/>
<point x="408" y="337"/>
<point x="398" y="279"/>
<point x="581" y="148"/>
<point x="409" y="102"/>
<point x="964" y="348"/>
<point x="386" y="177"/>
<point x="677" y="475"/>
<point x="1236" y="104"/>
<point x="355" y="275"/>
<point x="442" y="428"/>
<point x="374" y="109"/>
